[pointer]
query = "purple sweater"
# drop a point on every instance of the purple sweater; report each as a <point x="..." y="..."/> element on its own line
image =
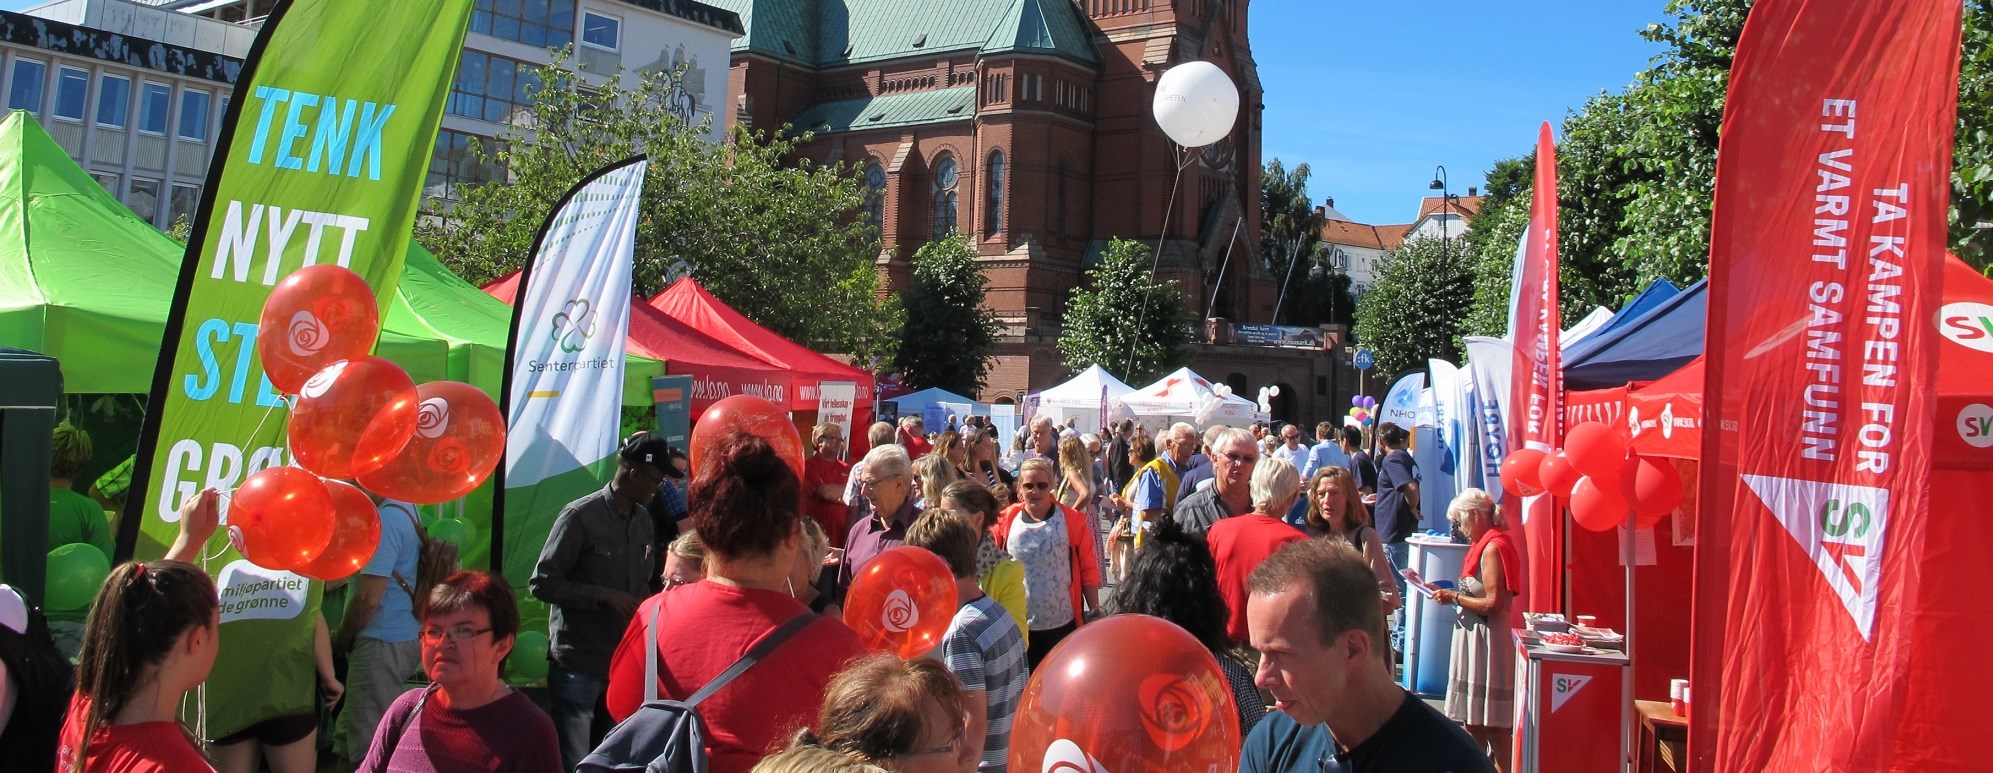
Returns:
<point x="508" y="734"/>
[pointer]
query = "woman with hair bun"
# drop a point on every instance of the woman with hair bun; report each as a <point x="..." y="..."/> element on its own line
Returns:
<point x="744" y="503"/>
<point x="151" y="637"/>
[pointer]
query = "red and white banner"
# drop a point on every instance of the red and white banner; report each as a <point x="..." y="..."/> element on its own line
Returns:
<point x="1826" y="253"/>
<point x="1537" y="380"/>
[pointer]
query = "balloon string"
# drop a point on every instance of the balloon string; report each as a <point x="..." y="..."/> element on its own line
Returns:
<point x="285" y="401"/>
<point x="1142" y="318"/>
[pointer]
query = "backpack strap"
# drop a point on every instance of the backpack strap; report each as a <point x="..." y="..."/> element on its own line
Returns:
<point x="650" y="652"/>
<point x="761" y="649"/>
<point x="421" y="535"/>
<point x="395" y="733"/>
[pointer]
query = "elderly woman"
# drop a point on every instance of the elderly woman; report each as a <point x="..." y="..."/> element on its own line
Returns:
<point x="1061" y="575"/>
<point x="468" y="719"/>
<point x="999" y="575"/>
<point x="684" y="561"/>
<point x="1481" y="691"/>
<point x="907" y="716"/>
<point x="744" y="502"/>
<point x="824" y="477"/>
<point x="1240" y="543"/>
<point x="887" y="485"/>
<point x="1336" y="511"/>
<point x="1121" y="538"/>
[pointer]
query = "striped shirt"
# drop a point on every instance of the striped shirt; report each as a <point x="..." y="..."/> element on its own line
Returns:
<point x="985" y="650"/>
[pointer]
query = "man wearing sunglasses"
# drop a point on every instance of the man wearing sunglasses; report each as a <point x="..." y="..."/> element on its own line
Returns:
<point x="1233" y="456"/>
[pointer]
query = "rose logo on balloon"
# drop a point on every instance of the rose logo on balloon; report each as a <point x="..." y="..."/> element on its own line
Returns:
<point x="1064" y="756"/>
<point x="319" y="382"/>
<point x="900" y="614"/>
<point x="1174" y="712"/>
<point x="432" y="418"/>
<point x="450" y="457"/>
<point x="306" y="334"/>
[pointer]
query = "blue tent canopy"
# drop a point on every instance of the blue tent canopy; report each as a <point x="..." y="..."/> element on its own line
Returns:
<point x="912" y="404"/>
<point x="1644" y="348"/>
<point x="1656" y="294"/>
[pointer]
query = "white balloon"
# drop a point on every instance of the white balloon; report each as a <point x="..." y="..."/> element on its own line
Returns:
<point x="1196" y="103"/>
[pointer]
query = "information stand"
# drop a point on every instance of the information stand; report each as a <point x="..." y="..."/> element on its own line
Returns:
<point x="1567" y="706"/>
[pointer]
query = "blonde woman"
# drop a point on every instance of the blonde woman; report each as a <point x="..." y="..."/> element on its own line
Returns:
<point x="1480" y="692"/>
<point x="1076" y="490"/>
<point x="1336" y="511"/>
<point x="950" y="446"/>
<point x="931" y="474"/>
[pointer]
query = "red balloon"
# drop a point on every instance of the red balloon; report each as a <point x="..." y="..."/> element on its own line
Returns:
<point x="1597" y="450"/>
<point x="317" y="316"/>
<point x="352" y="417"/>
<point x="356" y="532"/>
<point x="459" y="439"/>
<point x="1520" y="474"/>
<point x="754" y="416"/>
<point x="1132" y="692"/>
<point x="1597" y="508"/>
<point x="1657" y="490"/>
<point x="1557" y="474"/>
<point x="901" y="601"/>
<point x="280" y="518"/>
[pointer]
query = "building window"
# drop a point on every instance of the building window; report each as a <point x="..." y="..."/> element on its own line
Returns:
<point x="72" y="92"/>
<point x="25" y="92"/>
<point x="113" y="100"/>
<point x="194" y="115"/>
<point x="186" y="199"/>
<point x="144" y="198"/>
<point x="875" y="195"/>
<point x="538" y="23"/>
<point x="107" y="179"/>
<point x="154" y="102"/>
<point x="999" y="89"/>
<point x="1031" y="88"/>
<point x="994" y="223"/>
<point x="946" y="197"/>
<point x="601" y="31"/>
<point x="453" y="165"/>
<point x="1059" y="200"/>
<point x="491" y="88"/>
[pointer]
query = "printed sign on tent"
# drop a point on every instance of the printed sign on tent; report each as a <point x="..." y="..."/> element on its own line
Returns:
<point x="835" y="402"/>
<point x="673" y="397"/>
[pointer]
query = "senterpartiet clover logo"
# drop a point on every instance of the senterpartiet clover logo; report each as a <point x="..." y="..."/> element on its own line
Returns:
<point x="574" y="325"/>
<point x="1064" y="756"/>
<point x="900" y="614"/>
<point x="432" y="418"/>
<point x="306" y="334"/>
<point x="322" y="380"/>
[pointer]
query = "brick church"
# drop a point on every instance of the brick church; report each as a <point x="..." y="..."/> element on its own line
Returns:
<point x="1026" y="125"/>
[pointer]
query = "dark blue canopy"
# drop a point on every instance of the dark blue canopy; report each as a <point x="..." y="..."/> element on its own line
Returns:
<point x="1643" y="348"/>
<point x="1656" y="294"/>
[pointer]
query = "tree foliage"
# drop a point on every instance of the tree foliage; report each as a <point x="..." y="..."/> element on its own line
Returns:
<point x="1106" y="323"/>
<point x="950" y="336"/>
<point x="1418" y="306"/>
<point x="1290" y="230"/>
<point x="774" y="236"/>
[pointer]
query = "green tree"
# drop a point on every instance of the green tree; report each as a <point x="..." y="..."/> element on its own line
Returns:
<point x="1290" y="228"/>
<point x="1125" y="319"/>
<point x="950" y="336"/>
<point x="772" y="235"/>
<point x="1416" y="308"/>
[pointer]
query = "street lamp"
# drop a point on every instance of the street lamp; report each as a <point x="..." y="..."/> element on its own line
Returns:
<point x="1446" y="199"/>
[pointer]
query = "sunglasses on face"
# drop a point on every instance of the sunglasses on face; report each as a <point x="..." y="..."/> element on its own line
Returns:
<point x="1035" y="486"/>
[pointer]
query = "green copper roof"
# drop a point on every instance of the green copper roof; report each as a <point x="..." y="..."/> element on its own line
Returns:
<point x="829" y="33"/>
<point x="784" y="29"/>
<point x="920" y="107"/>
<point x="1032" y="27"/>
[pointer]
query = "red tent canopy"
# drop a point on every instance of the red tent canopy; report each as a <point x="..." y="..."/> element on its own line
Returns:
<point x="717" y="370"/>
<point x="691" y="304"/>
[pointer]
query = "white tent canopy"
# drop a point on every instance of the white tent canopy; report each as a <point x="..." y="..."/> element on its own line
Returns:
<point x="1080" y="398"/>
<point x="1186" y="396"/>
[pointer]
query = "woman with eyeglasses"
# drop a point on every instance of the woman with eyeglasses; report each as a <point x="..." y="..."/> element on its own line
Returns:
<point x="1061" y="574"/>
<point x="907" y="716"/>
<point x="468" y="719"/>
<point x="684" y="560"/>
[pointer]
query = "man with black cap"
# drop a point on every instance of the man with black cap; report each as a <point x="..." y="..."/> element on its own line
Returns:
<point x="596" y="566"/>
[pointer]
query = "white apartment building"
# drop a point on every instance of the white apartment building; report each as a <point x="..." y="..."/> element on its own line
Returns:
<point x="135" y="90"/>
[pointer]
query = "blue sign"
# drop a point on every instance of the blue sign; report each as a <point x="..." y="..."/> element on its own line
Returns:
<point x="1365" y="360"/>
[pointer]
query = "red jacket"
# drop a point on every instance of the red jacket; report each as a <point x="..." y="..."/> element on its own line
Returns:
<point x="1079" y="542"/>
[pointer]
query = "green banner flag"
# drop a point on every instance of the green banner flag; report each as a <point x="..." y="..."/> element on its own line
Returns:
<point x="326" y="146"/>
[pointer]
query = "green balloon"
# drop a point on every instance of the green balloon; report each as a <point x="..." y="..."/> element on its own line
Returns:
<point x="75" y="571"/>
<point x="452" y="530"/>
<point x="528" y="660"/>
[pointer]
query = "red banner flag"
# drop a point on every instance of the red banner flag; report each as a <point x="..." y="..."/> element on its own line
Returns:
<point x="1536" y="402"/>
<point x="1826" y="254"/>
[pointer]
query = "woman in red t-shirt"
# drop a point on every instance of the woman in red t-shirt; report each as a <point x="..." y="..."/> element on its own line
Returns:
<point x="743" y="503"/>
<point x="152" y="636"/>
<point x="824" y="479"/>
<point x="1241" y="542"/>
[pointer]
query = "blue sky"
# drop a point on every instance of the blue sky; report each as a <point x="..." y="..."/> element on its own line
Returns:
<point x="1373" y="95"/>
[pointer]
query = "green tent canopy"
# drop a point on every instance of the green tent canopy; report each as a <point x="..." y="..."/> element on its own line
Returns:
<point x="85" y="281"/>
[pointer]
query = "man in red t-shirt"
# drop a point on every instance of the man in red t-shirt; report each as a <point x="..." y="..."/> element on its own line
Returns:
<point x="1240" y="543"/>
<point x="913" y="437"/>
<point x="824" y="478"/>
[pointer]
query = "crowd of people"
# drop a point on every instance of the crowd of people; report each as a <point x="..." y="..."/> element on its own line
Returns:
<point x="1278" y="556"/>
